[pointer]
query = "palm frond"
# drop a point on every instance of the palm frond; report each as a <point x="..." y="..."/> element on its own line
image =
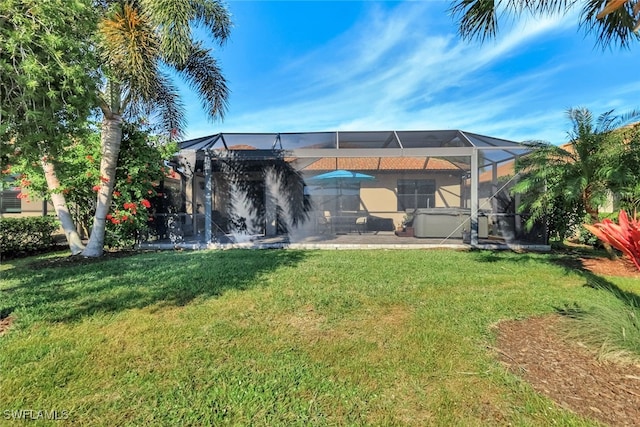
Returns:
<point x="213" y="15"/>
<point x="544" y="156"/>
<point x="130" y="50"/>
<point x="545" y="7"/>
<point x="615" y="28"/>
<point x="168" y="106"/>
<point x="478" y="19"/>
<point x="173" y="20"/>
<point x="203" y="74"/>
<point x="608" y="121"/>
<point x="170" y="20"/>
<point x="614" y="22"/>
<point x="581" y="120"/>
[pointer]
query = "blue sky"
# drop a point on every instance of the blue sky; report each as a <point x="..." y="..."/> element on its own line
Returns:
<point x="364" y="65"/>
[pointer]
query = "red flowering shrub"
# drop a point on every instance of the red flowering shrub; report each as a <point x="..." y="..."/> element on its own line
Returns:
<point x="140" y="165"/>
<point x="624" y="236"/>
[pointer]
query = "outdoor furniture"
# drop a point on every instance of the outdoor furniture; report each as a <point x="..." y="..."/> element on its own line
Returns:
<point x="343" y="224"/>
<point x="446" y="223"/>
<point x="361" y="224"/>
<point x="324" y="223"/>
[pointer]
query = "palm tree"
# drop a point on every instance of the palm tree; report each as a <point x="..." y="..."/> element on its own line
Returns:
<point x="139" y="40"/>
<point x="615" y="23"/>
<point x="563" y="184"/>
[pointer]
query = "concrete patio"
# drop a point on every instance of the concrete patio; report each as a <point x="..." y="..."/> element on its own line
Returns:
<point x="376" y="240"/>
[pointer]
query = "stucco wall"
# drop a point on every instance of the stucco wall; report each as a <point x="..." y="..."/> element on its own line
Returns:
<point x="29" y="207"/>
<point x="379" y="197"/>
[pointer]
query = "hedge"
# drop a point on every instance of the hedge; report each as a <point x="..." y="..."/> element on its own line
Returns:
<point x="27" y="234"/>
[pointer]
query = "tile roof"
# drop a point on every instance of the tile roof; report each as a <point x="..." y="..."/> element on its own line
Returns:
<point x="382" y="163"/>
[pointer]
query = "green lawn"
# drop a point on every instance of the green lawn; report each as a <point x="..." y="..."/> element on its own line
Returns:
<point x="278" y="337"/>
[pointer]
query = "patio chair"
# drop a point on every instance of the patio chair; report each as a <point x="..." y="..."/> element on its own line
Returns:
<point x="361" y="224"/>
<point x="324" y="222"/>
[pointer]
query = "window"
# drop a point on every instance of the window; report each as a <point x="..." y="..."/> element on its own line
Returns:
<point x="416" y="193"/>
<point x="9" y="202"/>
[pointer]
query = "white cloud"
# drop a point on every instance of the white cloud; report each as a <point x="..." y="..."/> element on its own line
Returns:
<point x="390" y="71"/>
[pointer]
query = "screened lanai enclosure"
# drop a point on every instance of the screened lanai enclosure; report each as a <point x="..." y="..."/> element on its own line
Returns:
<point x="368" y="189"/>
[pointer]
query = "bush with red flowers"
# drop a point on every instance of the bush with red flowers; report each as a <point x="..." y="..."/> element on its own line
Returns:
<point x="624" y="236"/>
<point x="140" y="165"/>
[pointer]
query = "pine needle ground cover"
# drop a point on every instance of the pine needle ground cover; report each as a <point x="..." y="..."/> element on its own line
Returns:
<point x="277" y="337"/>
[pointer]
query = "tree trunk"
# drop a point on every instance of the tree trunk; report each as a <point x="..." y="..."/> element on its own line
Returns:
<point x="110" y="140"/>
<point x="60" y="205"/>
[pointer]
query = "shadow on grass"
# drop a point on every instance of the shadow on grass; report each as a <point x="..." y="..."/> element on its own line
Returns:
<point x="629" y="298"/>
<point x="571" y="263"/>
<point x="47" y="292"/>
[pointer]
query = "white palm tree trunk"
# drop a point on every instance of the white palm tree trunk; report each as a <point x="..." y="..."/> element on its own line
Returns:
<point x="62" y="211"/>
<point x="110" y="141"/>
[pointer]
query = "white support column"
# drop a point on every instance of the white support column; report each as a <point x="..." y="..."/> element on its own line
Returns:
<point x="494" y="187"/>
<point x="474" y="197"/>
<point x="493" y="218"/>
<point x="517" y="201"/>
<point x="208" y="191"/>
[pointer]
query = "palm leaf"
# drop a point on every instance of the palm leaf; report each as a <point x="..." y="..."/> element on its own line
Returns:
<point x="213" y="15"/>
<point x="615" y="28"/>
<point x="169" y="107"/>
<point x="614" y="22"/>
<point x="170" y="20"/>
<point x="478" y="19"/>
<point x="130" y="51"/>
<point x="203" y="74"/>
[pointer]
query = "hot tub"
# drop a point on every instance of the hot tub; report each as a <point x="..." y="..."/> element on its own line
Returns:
<point x="446" y="222"/>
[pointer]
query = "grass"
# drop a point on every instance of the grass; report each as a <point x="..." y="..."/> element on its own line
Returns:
<point x="613" y="324"/>
<point x="279" y="337"/>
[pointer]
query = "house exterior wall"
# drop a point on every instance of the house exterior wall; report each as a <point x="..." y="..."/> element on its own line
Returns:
<point x="29" y="207"/>
<point x="380" y="197"/>
<point x="448" y="190"/>
<point x="34" y="207"/>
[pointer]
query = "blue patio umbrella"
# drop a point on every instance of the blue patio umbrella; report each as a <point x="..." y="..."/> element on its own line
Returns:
<point x="339" y="175"/>
<point x="338" y="178"/>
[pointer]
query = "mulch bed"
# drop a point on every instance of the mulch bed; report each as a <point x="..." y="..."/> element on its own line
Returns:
<point x="608" y="267"/>
<point x="566" y="371"/>
<point x="5" y="323"/>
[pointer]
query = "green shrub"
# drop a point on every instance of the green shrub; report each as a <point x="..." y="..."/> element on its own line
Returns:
<point x="124" y="235"/>
<point x="588" y="238"/>
<point x="25" y="235"/>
